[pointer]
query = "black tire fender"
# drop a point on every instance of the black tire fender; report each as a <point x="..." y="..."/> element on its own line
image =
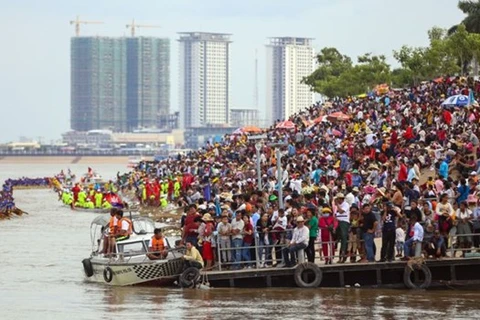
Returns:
<point x="87" y="267"/>
<point x="298" y="275"/>
<point x="108" y="274"/>
<point x="408" y="281"/>
<point x="189" y="277"/>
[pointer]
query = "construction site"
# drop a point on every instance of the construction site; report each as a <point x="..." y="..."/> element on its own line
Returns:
<point x="119" y="83"/>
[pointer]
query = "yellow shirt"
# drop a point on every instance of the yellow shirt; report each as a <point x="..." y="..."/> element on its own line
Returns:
<point x="194" y="255"/>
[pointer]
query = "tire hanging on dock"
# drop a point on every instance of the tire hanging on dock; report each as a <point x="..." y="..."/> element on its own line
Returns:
<point x="87" y="267"/>
<point x="189" y="277"/>
<point x="301" y="269"/>
<point x="108" y="274"/>
<point x="427" y="277"/>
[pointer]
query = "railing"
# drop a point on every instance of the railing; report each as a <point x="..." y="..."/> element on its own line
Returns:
<point x="264" y="253"/>
<point x="267" y="250"/>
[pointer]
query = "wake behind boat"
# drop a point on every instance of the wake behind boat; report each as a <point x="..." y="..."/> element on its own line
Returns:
<point x="130" y="262"/>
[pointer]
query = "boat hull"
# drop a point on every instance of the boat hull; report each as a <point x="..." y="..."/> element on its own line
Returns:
<point x="156" y="273"/>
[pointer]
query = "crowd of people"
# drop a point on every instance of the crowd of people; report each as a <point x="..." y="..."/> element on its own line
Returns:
<point x="395" y="164"/>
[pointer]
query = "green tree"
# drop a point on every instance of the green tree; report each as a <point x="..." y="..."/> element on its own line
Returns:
<point x="472" y="20"/>
<point x="464" y="46"/>
<point x="413" y="60"/>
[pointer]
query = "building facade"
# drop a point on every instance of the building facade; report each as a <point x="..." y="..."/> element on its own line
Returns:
<point x="119" y="84"/>
<point x="289" y="60"/>
<point x="204" y="79"/>
<point x="98" y="83"/>
<point x="148" y="81"/>
<point x="244" y="117"/>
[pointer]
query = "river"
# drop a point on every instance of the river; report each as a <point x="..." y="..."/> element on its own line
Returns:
<point x="41" y="277"/>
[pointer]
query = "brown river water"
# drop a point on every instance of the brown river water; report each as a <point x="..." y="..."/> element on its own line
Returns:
<point x="41" y="277"/>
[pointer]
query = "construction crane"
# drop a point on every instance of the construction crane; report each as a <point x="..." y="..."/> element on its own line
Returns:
<point x="77" y="22"/>
<point x="134" y="26"/>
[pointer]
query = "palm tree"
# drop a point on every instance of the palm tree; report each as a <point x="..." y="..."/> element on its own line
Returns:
<point x="472" y="21"/>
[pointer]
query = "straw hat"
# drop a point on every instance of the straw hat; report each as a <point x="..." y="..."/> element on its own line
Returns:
<point x="382" y="191"/>
<point x="340" y="196"/>
<point x="300" y="219"/>
<point x="207" y="217"/>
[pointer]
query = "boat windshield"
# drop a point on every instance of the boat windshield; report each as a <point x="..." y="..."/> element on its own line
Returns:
<point x="143" y="225"/>
<point x="132" y="248"/>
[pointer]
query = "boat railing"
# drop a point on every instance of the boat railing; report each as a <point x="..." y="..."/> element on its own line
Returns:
<point x="120" y="257"/>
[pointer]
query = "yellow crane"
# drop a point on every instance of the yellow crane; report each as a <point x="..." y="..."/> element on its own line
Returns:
<point x="77" y="22"/>
<point x="134" y="26"/>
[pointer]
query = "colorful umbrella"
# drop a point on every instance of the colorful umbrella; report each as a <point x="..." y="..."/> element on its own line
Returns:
<point x="289" y="125"/>
<point x="338" y="116"/>
<point x="458" y="100"/>
<point x="251" y="129"/>
<point x="318" y="120"/>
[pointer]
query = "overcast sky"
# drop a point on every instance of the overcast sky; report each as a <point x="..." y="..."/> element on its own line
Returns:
<point x="35" y="51"/>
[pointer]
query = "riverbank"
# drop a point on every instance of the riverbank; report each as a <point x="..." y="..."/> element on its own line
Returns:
<point x="87" y="160"/>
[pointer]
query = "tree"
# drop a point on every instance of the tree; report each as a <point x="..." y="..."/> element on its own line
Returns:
<point x="464" y="46"/>
<point x="472" y="20"/>
<point x="413" y="60"/>
<point x="337" y="76"/>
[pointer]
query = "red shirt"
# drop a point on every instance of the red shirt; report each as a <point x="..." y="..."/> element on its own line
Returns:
<point x="403" y="173"/>
<point x="248" y="238"/>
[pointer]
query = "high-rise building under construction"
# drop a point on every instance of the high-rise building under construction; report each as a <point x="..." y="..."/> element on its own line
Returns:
<point x="119" y="83"/>
<point x="148" y="81"/>
<point x="98" y="83"/>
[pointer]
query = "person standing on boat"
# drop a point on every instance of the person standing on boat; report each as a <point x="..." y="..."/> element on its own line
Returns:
<point x="156" y="247"/>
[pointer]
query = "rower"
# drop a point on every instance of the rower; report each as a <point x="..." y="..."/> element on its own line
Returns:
<point x="157" y="247"/>
<point x="89" y="204"/>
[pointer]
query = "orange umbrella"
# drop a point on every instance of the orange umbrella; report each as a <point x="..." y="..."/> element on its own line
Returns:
<point x="251" y="129"/>
<point x="338" y="116"/>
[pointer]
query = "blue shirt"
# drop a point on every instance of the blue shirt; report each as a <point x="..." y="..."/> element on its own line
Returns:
<point x="443" y="170"/>
<point x="356" y="180"/>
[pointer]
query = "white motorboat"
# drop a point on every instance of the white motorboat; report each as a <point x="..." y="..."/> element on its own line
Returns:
<point x="129" y="265"/>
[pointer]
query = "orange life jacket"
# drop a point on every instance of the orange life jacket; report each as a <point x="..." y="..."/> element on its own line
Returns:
<point x="119" y="225"/>
<point x="112" y="225"/>
<point x="157" y="244"/>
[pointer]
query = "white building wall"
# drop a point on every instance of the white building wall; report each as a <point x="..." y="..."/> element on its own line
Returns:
<point x="208" y="101"/>
<point x="288" y="62"/>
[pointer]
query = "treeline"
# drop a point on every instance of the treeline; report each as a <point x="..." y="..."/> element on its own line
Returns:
<point x="448" y="53"/>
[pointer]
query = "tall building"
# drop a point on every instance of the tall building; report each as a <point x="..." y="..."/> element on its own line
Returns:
<point x="148" y="81"/>
<point x="204" y="79"/>
<point x="98" y="83"/>
<point x="119" y="84"/>
<point x="289" y="60"/>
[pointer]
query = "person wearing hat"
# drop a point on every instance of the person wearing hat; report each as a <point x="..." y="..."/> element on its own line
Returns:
<point x="207" y="238"/>
<point x="299" y="241"/>
<point x="343" y="217"/>
<point x="326" y="224"/>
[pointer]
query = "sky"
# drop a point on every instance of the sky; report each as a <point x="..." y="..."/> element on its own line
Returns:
<point x="35" y="51"/>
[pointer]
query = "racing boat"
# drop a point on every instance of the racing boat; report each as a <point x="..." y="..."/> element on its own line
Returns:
<point x="129" y="265"/>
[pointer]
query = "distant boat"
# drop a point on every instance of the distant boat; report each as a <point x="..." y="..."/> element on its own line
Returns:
<point x="133" y="161"/>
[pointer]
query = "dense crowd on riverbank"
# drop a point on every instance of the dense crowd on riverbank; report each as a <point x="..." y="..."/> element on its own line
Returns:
<point x="352" y="168"/>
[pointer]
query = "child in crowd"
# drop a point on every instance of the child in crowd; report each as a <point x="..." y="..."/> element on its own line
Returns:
<point x="399" y="240"/>
<point x="352" y="235"/>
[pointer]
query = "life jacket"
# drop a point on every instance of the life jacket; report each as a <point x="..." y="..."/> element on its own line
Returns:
<point x="157" y="244"/>
<point x="119" y="225"/>
<point x="112" y="225"/>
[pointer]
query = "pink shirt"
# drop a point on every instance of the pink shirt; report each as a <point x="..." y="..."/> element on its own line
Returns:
<point x="439" y="185"/>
